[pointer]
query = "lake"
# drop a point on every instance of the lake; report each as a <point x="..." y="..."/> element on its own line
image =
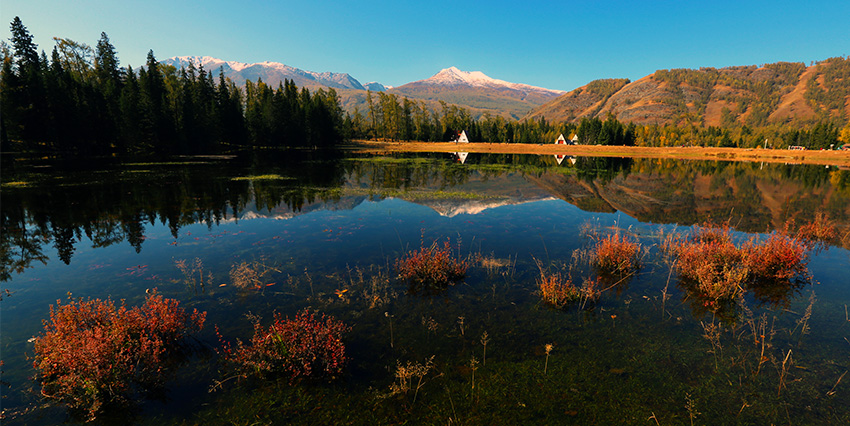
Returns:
<point x="326" y="230"/>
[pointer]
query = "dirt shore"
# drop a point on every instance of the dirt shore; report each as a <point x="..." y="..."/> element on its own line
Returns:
<point x="829" y="158"/>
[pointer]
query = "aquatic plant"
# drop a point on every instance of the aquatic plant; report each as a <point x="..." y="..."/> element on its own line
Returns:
<point x="431" y="268"/>
<point x="817" y="234"/>
<point x="93" y="353"/>
<point x="556" y="290"/>
<point x="616" y="254"/>
<point x="709" y="263"/>
<point x="305" y="346"/>
<point x="548" y="349"/>
<point x="246" y="275"/>
<point x="779" y="258"/>
<point x="193" y="274"/>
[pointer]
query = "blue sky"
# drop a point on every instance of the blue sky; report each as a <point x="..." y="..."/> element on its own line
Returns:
<point x="553" y="44"/>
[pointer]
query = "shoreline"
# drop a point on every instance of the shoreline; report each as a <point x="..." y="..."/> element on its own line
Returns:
<point x="824" y="158"/>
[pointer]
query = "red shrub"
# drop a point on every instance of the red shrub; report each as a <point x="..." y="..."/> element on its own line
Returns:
<point x="92" y="353"/>
<point x="301" y="347"/>
<point x="779" y="258"/>
<point x="431" y="267"/>
<point x="616" y="255"/>
<point x="709" y="263"/>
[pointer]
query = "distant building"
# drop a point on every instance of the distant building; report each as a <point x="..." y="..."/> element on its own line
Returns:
<point x="564" y="141"/>
<point x="561" y="141"/>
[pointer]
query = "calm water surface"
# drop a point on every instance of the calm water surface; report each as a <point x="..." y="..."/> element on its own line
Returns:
<point x="332" y="226"/>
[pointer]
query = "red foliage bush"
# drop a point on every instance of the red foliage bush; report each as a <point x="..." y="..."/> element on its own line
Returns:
<point x="301" y="347"/>
<point x="92" y="353"/>
<point x="710" y="263"/>
<point x="431" y="267"/>
<point x="616" y="255"/>
<point x="778" y="259"/>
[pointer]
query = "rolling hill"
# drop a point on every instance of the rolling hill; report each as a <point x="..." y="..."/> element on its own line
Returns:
<point x="750" y="95"/>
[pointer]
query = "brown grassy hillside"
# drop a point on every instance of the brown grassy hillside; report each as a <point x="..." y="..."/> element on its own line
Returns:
<point x="745" y="95"/>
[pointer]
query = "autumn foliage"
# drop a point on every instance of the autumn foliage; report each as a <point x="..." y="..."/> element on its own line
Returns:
<point x="616" y="255"/>
<point x="715" y="269"/>
<point x="306" y="346"/>
<point x="556" y="290"/>
<point x="93" y="352"/>
<point x="431" y="267"/>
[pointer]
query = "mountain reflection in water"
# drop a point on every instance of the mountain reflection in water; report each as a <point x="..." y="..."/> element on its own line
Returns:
<point x="112" y="203"/>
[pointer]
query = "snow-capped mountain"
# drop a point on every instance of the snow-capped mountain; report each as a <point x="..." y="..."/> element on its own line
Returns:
<point x="271" y="72"/>
<point x="454" y="77"/>
<point x="473" y="90"/>
<point x="479" y="92"/>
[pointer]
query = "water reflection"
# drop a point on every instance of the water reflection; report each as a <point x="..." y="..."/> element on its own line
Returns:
<point x="115" y="203"/>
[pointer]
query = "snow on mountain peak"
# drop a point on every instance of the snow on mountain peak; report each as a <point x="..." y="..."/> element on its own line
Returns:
<point x="210" y="63"/>
<point x="453" y="76"/>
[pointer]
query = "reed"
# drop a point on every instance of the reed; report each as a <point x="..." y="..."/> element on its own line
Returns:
<point x="548" y="349"/>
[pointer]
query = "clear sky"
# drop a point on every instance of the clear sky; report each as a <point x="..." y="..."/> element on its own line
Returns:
<point x="553" y="44"/>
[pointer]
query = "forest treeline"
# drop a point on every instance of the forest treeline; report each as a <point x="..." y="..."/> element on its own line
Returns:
<point x="80" y="101"/>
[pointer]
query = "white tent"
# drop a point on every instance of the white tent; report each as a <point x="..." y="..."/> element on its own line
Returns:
<point x="561" y="140"/>
<point x="462" y="138"/>
<point x="574" y="140"/>
<point x="461" y="156"/>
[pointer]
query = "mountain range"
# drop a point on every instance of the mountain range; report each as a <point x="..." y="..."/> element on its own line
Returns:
<point x="473" y="90"/>
<point x="782" y="92"/>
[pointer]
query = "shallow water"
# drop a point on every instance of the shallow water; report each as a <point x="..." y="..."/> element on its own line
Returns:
<point x="332" y="227"/>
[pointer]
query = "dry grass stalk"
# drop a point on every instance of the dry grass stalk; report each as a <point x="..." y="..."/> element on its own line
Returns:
<point x="406" y="374"/>
<point x="784" y="372"/>
<point x="548" y="349"/>
<point x="803" y="322"/>
<point x="832" y="391"/>
<point x="690" y="405"/>
<point x="484" y="340"/>
<point x="713" y="332"/>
